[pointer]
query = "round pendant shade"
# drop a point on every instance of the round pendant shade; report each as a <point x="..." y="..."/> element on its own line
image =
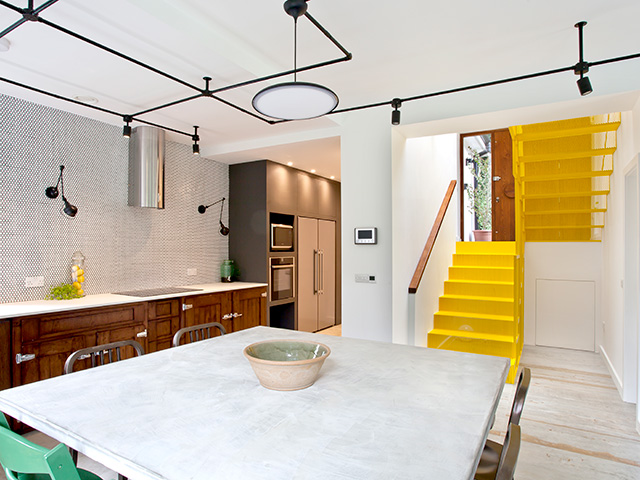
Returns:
<point x="295" y="101"/>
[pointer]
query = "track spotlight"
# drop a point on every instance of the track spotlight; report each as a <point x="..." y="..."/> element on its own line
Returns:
<point x="396" y="103"/>
<point x="584" y="85"/>
<point x="196" y="138"/>
<point x="224" y="230"/>
<point x="581" y="68"/>
<point x="52" y="192"/>
<point x="126" y="130"/>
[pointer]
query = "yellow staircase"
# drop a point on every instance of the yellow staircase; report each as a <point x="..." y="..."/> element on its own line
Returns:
<point x="563" y="170"/>
<point x="478" y="312"/>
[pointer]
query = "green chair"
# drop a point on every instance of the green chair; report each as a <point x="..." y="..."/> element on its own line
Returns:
<point x="24" y="460"/>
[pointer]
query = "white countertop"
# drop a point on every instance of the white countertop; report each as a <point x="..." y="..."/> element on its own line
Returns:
<point x="21" y="309"/>
<point x="378" y="411"/>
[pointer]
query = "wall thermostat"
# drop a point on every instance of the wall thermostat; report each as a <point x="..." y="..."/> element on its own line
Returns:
<point x="366" y="235"/>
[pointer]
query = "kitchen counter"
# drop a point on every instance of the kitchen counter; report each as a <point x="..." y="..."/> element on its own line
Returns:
<point x="21" y="309"/>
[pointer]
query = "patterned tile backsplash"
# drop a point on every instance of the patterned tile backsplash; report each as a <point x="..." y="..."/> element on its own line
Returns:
<point x="126" y="248"/>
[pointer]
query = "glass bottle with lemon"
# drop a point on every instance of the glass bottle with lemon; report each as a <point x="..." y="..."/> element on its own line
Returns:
<point x="77" y="272"/>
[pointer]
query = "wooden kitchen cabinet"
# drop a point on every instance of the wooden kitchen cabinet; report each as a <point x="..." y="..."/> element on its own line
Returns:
<point x="42" y="343"/>
<point x="163" y="318"/>
<point x="5" y="354"/>
<point x="235" y="310"/>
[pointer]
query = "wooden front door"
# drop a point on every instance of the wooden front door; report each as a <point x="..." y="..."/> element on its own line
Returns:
<point x="503" y="211"/>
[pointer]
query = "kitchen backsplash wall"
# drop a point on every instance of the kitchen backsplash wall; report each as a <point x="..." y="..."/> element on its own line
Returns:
<point x="126" y="248"/>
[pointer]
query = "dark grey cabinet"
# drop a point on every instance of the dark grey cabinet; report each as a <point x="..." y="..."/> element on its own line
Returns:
<point x="261" y="192"/>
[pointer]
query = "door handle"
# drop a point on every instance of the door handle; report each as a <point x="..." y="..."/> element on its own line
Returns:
<point x="236" y="315"/>
<point x="24" y="358"/>
<point x="142" y="334"/>
<point x="315" y="272"/>
<point x="321" y="262"/>
<point x="228" y="316"/>
<point x="186" y="306"/>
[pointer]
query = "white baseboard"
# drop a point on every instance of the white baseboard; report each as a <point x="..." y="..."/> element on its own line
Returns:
<point x="612" y="371"/>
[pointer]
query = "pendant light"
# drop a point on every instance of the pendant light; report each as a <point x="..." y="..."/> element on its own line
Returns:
<point x="295" y="100"/>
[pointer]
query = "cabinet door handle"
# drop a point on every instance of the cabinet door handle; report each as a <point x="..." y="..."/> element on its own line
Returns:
<point x="263" y="294"/>
<point x="228" y="316"/>
<point x="237" y="315"/>
<point x="142" y="334"/>
<point x="186" y="306"/>
<point x="24" y="358"/>
<point x="315" y="272"/>
<point x="321" y="272"/>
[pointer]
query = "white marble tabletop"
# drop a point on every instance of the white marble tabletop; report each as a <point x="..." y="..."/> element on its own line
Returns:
<point x="377" y="411"/>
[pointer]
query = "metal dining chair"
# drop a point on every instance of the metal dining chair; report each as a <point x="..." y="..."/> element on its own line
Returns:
<point x="23" y="459"/>
<point x="197" y="332"/>
<point x="508" y="458"/>
<point x="100" y="355"/>
<point x="493" y="450"/>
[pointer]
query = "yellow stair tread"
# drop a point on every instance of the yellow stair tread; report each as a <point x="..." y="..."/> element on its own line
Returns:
<point x="566" y="212"/>
<point x="484" y="254"/>
<point x="587" y="193"/>
<point x="478" y="297"/>
<point x="566" y="176"/>
<point x="559" y="156"/>
<point x="477" y="316"/>
<point x="475" y="267"/>
<point x="489" y="282"/>
<point x="567" y="132"/>
<point x="561" y="227"/>
<point x="478" y="336"/>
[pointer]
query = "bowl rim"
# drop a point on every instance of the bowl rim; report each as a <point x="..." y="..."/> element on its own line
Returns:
<point x="307" y="361"/>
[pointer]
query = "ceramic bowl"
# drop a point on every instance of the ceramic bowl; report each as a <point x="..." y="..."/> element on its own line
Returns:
<point x="286" y="364"/>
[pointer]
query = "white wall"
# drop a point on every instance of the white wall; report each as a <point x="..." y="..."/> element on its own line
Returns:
<point x="422" y="170"/>
<point x="366" y="202"/>
<point x="578" y="261"/>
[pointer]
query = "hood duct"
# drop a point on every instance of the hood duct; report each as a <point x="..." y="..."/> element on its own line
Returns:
<point x="146" y="167"/>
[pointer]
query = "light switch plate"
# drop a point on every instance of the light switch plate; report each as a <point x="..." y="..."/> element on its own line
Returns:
<point x="365" y="278"/>
<point x="30" y="282"/>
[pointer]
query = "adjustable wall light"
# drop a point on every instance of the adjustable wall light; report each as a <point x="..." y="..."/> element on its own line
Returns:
<point x="224" y="231"/>
<point x="396" y="103"/>
<point x="295" y="100"/>
<point x="582" y="67"/>
<point x="52" y="192"/>
<point x="195" y="138"/>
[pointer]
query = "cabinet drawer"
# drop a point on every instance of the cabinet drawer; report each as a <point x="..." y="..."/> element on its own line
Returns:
<point x="164" y="308"/>
<point x="61" y="324"/>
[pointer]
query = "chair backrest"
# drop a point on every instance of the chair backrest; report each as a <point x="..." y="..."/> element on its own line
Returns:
<point x="521" y="394"/>
<point x="197" y="332"/>
<point x="101" y="354"/>
<point x="510" y="451"/>
<point x="19" y="455"/>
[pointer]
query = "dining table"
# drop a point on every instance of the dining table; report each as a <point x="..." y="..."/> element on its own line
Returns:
<point x="378" y="410"/>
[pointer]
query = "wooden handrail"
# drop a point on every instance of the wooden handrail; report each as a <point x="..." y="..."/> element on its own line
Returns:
<point x="424" y="258"/>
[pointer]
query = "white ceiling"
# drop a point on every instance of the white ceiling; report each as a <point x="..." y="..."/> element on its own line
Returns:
<point x="400" y="49"/>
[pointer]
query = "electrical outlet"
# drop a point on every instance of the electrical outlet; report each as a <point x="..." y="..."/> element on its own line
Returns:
<point x="365" y="278"/>
<point x="192" y="271"/>
<point x="31" y="282"/>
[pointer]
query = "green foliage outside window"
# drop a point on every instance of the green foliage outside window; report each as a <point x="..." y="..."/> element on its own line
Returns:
<point x="480" y="192"/>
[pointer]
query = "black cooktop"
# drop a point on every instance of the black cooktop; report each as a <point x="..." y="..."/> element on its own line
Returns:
<point x="152" y="292"/>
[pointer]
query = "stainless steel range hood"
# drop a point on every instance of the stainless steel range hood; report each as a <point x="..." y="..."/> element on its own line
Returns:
<point x="146" y="167"/>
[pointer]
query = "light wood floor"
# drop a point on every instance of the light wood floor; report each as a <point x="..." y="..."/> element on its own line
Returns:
<point x="574" y="425"/>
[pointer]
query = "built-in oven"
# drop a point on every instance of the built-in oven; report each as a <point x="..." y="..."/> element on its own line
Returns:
<point x="282" y="278"/>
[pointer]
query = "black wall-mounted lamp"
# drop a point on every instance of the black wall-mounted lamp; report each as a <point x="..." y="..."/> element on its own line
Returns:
<point x="196" y="147"/>
<point x="582" y="67"/>
<point x="224" y="231"/>
<point x="52" y="192"/>
<point x="396" y="103"/>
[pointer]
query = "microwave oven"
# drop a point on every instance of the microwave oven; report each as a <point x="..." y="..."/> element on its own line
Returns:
<point x="281" y="237"/>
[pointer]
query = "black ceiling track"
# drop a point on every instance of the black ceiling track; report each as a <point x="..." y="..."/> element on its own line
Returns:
<point x="31" y="13"/>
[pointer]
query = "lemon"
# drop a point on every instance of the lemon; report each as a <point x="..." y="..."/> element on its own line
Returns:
<point x="77" y="286"/>
<point x="80" y="271"/>
<point x="81" y="278"/>
<point x="80" y="292"/>
<point x="74" y="268"/>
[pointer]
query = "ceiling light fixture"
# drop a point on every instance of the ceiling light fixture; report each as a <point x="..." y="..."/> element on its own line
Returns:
<point x="295" y="100"/>
<point x="126" y="130"/>
<point x="582" y="67"/>
<point x="224" y="231"/>
<point x="195" y="138"/>
<point x="396" y="103"/>
<point x="52" y="192"/>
